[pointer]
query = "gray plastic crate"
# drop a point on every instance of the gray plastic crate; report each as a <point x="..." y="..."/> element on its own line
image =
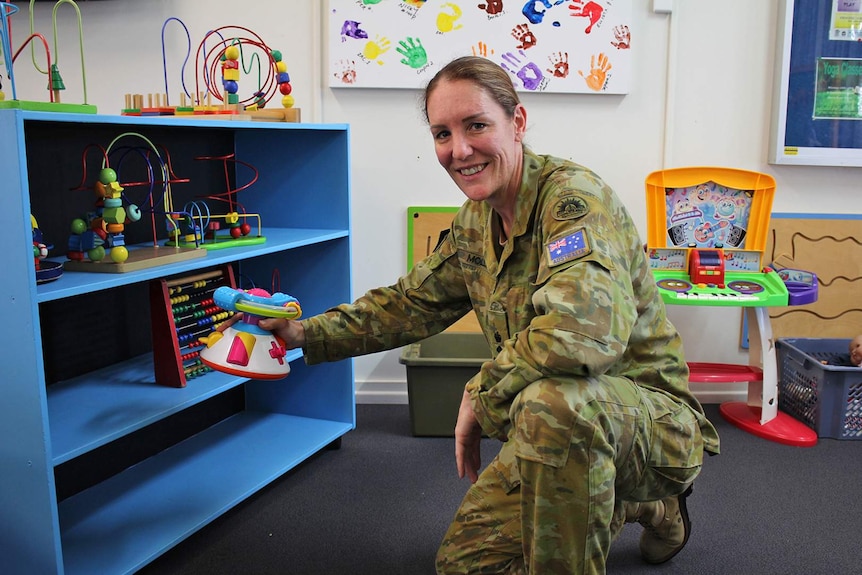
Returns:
<point x="818" y="386"/>
<point x="438" y="368"/>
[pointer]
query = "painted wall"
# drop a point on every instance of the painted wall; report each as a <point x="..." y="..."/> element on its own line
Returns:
<point x="702" y="95"/>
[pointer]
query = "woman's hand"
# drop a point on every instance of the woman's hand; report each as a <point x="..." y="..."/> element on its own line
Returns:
<point x="290" y="330"/>
<point x="468" y="439"/>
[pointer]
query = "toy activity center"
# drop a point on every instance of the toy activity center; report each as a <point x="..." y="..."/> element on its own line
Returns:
<point x="707" y="232"/>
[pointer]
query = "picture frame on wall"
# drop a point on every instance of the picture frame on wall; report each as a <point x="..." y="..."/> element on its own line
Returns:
<point x="817" y="107"/>
<point x="548" y="46"/>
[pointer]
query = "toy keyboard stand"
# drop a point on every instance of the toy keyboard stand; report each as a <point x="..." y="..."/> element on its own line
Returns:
<point x="759" y="414"/>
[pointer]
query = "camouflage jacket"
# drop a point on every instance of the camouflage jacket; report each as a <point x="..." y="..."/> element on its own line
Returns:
<point x="570" y="293"/>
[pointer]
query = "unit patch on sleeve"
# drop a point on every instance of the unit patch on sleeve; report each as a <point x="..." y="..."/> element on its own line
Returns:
<point x="570" y="247"/>
<point x="570" y="208"/>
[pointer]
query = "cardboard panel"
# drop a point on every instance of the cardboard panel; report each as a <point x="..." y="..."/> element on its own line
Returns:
<point x="424" y="226"/>
<point x="829" y="245"/>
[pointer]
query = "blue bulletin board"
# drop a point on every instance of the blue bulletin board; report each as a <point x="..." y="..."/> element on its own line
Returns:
<point x="568" y="46"/>
<point x="817" y="107"/>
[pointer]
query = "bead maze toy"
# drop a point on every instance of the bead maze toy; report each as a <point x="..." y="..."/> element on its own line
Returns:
<point x="707" y="230"/>
<point x="52" y="70"/>
<point x="198" y="226"/>
<point x="97" y="241"/>
<point x="244" y="348"/>
<point x="236" y="50"/>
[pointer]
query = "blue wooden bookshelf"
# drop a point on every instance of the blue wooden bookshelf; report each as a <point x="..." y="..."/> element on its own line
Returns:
<point x="129" y="517"/>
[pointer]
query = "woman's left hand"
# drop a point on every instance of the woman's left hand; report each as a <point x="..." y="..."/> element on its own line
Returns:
<point x="468" y="440"/>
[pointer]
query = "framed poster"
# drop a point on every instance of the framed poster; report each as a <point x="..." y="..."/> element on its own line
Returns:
<point x="568" y="46"/>
<point x="817" y="111"/>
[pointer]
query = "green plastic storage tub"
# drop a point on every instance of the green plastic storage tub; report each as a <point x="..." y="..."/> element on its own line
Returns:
<point x="438" y="368"/>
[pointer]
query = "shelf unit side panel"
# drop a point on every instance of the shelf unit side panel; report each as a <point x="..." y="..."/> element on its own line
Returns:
<point x="29" y="536"/>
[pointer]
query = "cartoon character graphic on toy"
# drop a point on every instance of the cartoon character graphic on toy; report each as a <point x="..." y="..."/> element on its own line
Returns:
<point x="856" y="351"/>
<point x="245" y="349"/>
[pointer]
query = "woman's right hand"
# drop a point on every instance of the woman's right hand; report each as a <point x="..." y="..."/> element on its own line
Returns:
<point x="289" y="330"/>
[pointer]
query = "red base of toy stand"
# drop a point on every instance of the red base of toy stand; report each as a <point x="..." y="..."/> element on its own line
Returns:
<point x="782" y="429"/>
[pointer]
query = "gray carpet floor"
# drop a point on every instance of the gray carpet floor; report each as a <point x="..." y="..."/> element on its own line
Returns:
<point x="380" y="504"/>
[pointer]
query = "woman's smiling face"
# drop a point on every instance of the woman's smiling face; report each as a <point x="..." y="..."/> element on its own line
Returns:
<point x="477" y="144"/>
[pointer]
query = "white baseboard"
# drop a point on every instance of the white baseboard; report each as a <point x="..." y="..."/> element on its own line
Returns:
<point x="381" y="392"/>
<point x="395" y="392"/>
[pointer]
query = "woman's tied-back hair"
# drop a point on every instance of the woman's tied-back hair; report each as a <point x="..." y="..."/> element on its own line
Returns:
<point x="484" y="73"/>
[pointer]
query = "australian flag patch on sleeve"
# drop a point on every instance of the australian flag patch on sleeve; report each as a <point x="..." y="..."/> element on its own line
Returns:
<point x="570" y="247"/>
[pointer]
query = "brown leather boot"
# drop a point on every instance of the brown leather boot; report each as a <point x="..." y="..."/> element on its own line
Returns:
<point x="666" y="527"/>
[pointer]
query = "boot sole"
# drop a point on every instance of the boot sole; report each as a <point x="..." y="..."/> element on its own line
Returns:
<point x="686" y="523"/>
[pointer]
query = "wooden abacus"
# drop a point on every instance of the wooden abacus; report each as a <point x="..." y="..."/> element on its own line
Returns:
<point x="182" y="310"/>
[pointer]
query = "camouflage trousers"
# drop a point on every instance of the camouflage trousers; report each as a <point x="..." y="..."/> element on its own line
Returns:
<point x="554" y="498"/>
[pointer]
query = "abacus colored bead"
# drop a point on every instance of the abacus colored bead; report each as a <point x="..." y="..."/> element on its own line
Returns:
<point x="276" y="55"/>
<point x="280" y="67"/>
<point x="231" y="53"/>
<point x="285" y="88"/>
<point x="283" y="77"/>
<point x="230" y="86"/>
<point x="287" y="101"/>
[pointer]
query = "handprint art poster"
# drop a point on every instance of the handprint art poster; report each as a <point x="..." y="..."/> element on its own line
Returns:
<point x="559" y="46"/>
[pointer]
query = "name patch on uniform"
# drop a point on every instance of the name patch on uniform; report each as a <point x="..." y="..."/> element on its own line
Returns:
<point x="570" y="208"/>
<point x="571" y="247"/>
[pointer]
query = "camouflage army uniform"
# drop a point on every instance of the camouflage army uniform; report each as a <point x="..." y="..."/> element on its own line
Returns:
<point x="588" y="387"/>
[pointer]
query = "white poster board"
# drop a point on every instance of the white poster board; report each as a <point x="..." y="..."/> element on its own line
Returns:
<point x="564" y="46"/>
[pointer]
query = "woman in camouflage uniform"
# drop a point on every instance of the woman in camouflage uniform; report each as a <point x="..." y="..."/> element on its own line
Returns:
<point x="588" y="386"/>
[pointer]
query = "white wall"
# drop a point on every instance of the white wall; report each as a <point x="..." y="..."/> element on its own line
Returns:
<point x="702" y="94"/>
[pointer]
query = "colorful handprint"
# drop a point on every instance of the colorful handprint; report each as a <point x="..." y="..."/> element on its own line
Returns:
<point x="529" y="74"/>
<point x="623" y="37"/>
<point x="447" y="20"/>
<point x="559" y="64"/>
<point x="376" y="48"/>
<point x="481" y="49"/>
<point x="351" y="29"/>
<point x="599" y="68"/>
<point x="492" y="7"/>
<point x="589" y="10"/>
<point x="413" y="52"/>
<point x="524" y="36"/>
<point x="346" y="71"/>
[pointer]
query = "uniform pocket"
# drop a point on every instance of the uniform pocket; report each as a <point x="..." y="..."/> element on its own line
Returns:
<point x="676" y="445"/>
